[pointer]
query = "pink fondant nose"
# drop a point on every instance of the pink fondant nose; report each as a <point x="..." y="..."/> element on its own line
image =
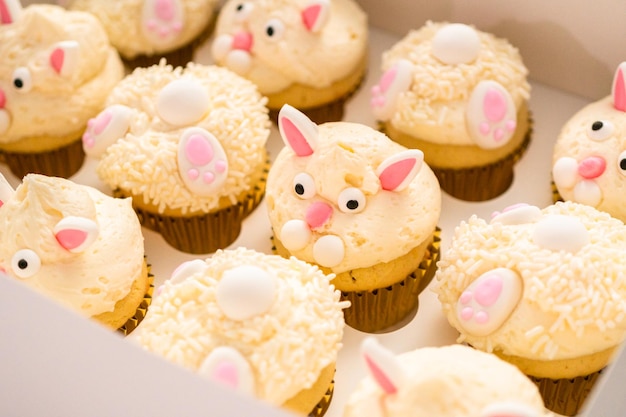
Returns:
<point x="3" y="99"/>
<point x="242" y="40"/>
<point x="317" y="214"/>
<point x="591" y="167"/>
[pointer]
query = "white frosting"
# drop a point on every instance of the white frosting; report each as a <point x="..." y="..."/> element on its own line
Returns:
<point x="448" y="381"/>
<point x="338" y="38"/>
<point x="286" y="346"/>
<point x="574" y="293"/>
<point x="94" y="276"/>
<point x="67" y="66"/>
<point x="146" y="161"/>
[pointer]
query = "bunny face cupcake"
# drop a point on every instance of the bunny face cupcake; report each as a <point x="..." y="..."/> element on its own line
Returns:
<point x="75" y="245"/>
<point x="267" y="326"/>
<point x="589" y="160"/>
<point x="330" y="195"/>
<point x="460" y="95"/>
<point x="309" y="54"/>
<point x="543" y="289"/>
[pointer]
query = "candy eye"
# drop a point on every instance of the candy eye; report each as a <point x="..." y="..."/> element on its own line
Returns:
<point x="22" y="81"/>
<point x="25" y="263"/>
<point x="621" y="163"/>
<point x="351" y="200"/>
<point x="600" y="130"/>
<point x="274" y="29"/>
<point x="242" y="11"/>
<point x="303" y="185"/>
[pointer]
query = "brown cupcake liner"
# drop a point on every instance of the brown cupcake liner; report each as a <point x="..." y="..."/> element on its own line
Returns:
<point x="204" y="233"/>
<point x="556" y="196"/>
<point x="62" y="162"/>
<point x="132" y="323"/>
<point x="321" y="407"/>
<point x="382" y="309"/>
<point x="565" y="396"/>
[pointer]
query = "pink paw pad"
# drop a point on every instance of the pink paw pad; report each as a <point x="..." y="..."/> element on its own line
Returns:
<point x="105" y="129"/>
<point x="163" y="19"/>
<point x="491" y="115"/>
<point x="393" y="82"/>
<point x="201" y="161"/>
<point x="488" y="301"/>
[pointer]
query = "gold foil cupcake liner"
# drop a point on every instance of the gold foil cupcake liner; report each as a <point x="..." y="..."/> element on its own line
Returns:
<point x="382" y="309"/>
<point x="565" y="396"/>
<point x="204" y="233"/>
<point x="321" y="407"/>
<point x="62" y="162"/>
<point x="132" y="323"/>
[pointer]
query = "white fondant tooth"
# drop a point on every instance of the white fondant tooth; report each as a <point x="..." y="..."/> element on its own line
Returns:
<point x="588" y="192"/>
<point x="559" y="232"/>
<point x="455" y="44"/>
<point x="245" y="292"/>
<point x="295" y="235"/>
<point x="182" y="102"/>
<point x="221" y="46"/>
<point x="565" y="172"/>
<point x="329" y="251"/>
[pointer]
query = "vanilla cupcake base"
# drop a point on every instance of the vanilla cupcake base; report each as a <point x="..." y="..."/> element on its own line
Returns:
<point x="314" y="401"/>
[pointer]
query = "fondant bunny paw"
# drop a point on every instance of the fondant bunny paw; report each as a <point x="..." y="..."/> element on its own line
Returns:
<point x="162" y="20"/>
<point x="491" y="115"/>
<point x="106" y="128"/>
<point x="202" y="161"/>
<point x="488" y="301"/>
<point x="393" y="82"/>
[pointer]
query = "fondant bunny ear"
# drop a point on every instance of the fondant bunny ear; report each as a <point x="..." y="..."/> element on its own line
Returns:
<point x="75" y="234"/>
<point x="10" y="11"/>
<point x="397" y="171"/>
<point x="227" y="366"/>
<point x="315" y="15"/>
<point x="619" y="88"/>
<point x="64" y="57"/>
<point x="509" y="409"/>
<point x="187" y="269"/>
<point x="6" y="191"/>
<point x="297" y="130"/>
<point x="382" y="365"/>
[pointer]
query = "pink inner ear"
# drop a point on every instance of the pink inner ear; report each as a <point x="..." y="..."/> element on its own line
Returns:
<point x="56" y="59"/>
<point x="310" y="16"/>
<point x="395" y="173"/>
<point x="296" y="139"/>
<point x="5" y="16"/>
<point x="619" y="91"/>
<point x="383" y="381"/>
<point x="71" y="238"/>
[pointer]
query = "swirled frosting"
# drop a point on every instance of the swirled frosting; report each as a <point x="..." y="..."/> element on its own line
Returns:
<point x="434" y="107"/>
<point x="284" y="334"/>
<point x="145" y="159"/>
<point x="138" y="27"/>
<point x="90" y="279"/>
<point x="65" y="65"/>
<point x="277" y="43"/>
<point x="544" y="284"/>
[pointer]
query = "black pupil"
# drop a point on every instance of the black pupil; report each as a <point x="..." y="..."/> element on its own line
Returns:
<point x="299" y="189"/>
<point x="597" y="126"/>
<point x="239" y="7"/>
<point x="22" y="264"/>
<point x="270" y="31"/>
<point x="352" y="204"/>
<point x="622" y="164"/>
<point x="18" y="83"/>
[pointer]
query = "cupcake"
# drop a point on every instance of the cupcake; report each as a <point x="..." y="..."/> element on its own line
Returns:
<point x="544" y="289"/>
<point x="461" y="96"/>
<point x="345" y="197"/>
<point x="589" y="159"/>
<point x="144" y="31"/>
<point x="309" y="54"/>
<point x="57" y="69"/>
<point x="447" y="381"/>
<point x="77" y="246"/>
<point x="188" y="145"/>
<point x="264" y="325"/>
